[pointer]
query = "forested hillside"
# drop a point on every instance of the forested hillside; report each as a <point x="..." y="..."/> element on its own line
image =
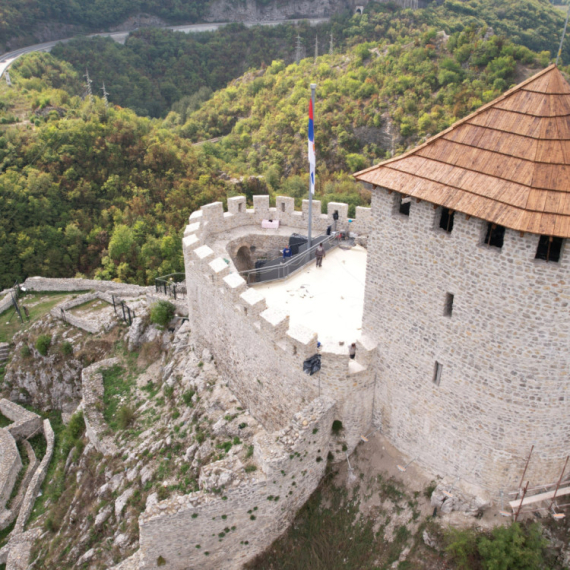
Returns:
<point x="156" y="68"/>
<point x="106" y="193"/>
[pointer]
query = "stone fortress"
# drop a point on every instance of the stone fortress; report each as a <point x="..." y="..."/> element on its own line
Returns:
<point x="461" y="357"/>
<point x="462" y="361"/>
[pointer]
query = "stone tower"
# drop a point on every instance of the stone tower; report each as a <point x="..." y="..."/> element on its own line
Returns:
<point x="467" y="291"/>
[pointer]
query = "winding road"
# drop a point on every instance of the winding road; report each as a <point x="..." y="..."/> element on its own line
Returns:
<point x="8" y="58"/>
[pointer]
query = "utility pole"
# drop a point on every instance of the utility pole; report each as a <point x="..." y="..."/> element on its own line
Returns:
<point x="331" y="45"/>
<point x="298" y="50"/>
<point x="563" y="34"/>
<point x="105" y="96"/>
<point x="88" y="81"/>
<point x="316" y="47"/>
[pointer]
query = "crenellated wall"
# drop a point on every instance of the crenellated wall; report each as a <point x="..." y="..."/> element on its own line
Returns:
<point x="211" y="219"/>
<point x="505" y="349"/>
<point x="255" y="347"/>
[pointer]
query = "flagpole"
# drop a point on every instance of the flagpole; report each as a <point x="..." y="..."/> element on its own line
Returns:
<point x="313" y="88"/>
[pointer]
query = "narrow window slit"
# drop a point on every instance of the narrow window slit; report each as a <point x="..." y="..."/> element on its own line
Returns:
<point x="437" y="373"/>
<point x="448" y="309"/>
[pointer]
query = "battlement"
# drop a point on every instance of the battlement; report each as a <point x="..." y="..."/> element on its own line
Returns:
<point x="212" y="283"/>
<point x="211" y="218"/>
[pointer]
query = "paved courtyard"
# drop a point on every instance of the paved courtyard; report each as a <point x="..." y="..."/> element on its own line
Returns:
<point x="328" y="300"/>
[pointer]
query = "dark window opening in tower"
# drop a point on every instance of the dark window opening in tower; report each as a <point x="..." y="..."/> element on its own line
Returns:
<point x="549" y="248"/>
<point x="448" y="309"/>
<point x="437" y="373"/>
<point x="446" y="220"/>
<point x="405" y="202"/>
<point x="495" y="235"/>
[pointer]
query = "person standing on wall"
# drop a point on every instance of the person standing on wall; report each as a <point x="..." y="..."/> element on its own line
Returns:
<point x="352" y="351"/>
<point x="319" y="254"/>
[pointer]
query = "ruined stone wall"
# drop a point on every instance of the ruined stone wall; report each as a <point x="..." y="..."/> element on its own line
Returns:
<point x="208" y="531"/>
<point x="96" y="428"/>
<point x="10" y="465"/>
<point x="53" y="284"/>
<point x="5" y="301"/>
<point x="37" y="480"/>
<point x="255" y="348"/>
<point x="25" y="423"/>
<point x="88" y="325"/>
<point x="505" y="349"/>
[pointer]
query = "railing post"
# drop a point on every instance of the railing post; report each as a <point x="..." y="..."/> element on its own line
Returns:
<point x="123" y="306"/>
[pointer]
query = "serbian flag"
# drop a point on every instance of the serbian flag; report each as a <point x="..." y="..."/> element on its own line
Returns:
<point x="312" y="158"/>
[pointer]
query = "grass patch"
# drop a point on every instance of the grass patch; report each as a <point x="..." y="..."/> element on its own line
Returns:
<point x="10" y="323"/>
<point x="328" y="534"/>
<point x="116" y="387"/>
<point x="4" y="421"/>
<point x="39" y="445"/>
<point x="93" y="306"/>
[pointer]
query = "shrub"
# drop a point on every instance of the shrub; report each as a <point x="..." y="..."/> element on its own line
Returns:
<point x="512" y="548"/>
<point x="187" y="397"/>
<point x="66" y="348"/>
<point x="25" y="351"/>
<point x="43" y="343"/>
<point x="161" y="313"/>
<point x="125" y="417"/>
<point x="168" y="391"/>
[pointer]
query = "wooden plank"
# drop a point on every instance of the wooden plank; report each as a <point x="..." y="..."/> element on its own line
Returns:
<point x="538" y="498"/>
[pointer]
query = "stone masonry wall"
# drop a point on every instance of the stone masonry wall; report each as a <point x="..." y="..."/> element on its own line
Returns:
<point x="88" y="325"/>
<point x="211" y="532"/>
<point x="10" y="465"/>
<point x="37" y="480"/>
<point x="54" y="284"/>
<point x="96" y="428"/>
<point x="25" y="423"/>
<point x="505" y="349"/>
<point x="257" y="351"/>
<point x="5" y="301"/>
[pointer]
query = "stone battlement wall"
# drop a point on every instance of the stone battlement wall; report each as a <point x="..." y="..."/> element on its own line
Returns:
<point x="505" y="349"/>
<point x="208" y="531"/>
<point x="211" y="219"/>
<point x="257" y="350"/>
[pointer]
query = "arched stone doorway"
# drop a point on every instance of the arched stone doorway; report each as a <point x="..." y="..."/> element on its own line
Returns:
<point x="242" y="260"/>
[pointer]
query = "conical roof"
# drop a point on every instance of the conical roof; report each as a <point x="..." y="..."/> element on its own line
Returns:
<point x="507" y="163"/>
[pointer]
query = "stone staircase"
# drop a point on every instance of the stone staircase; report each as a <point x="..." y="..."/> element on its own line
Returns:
<point x="4" y="351"/>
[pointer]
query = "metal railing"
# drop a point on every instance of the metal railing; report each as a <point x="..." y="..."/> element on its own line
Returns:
<point x="173" y="285"/>
<point x="284" y="269"/>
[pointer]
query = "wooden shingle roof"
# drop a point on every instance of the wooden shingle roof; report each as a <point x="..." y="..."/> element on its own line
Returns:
<point x="507" y="163"/>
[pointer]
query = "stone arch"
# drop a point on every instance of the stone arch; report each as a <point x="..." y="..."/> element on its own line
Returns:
<point x="242" y="260"/>
<point x="359" y="10"/>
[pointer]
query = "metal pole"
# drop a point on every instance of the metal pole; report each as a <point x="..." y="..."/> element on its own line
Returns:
<point x="563" y="34"/>
<point x="524" y="472"/>
<point x="522" y="499"/>
<point x="558" y="484"/>
<point x="310" y="236"/>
